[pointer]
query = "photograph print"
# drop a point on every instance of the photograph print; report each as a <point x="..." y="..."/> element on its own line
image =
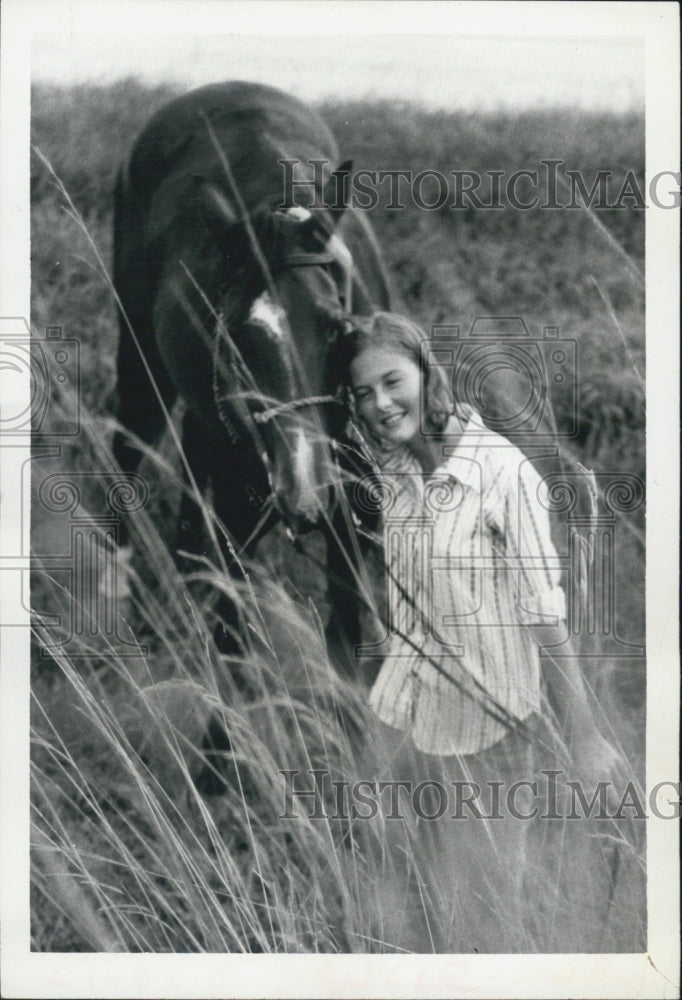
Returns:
<point x="335" y="456"/>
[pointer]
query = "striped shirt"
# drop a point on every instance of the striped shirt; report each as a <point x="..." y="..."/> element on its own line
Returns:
<point x="470" y="563"/>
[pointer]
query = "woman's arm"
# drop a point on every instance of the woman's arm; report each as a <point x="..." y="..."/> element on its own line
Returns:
<point x="575" y="709"/>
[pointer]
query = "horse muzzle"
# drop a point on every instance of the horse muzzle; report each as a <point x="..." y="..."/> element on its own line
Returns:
<point x="302" y="479"/>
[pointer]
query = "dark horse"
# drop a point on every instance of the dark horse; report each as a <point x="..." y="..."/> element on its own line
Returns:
<point x="230" y="298"/>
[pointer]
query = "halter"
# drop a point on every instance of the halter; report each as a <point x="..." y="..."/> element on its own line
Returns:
<point x="289" y="261"/>
<point x="303" y="259"/>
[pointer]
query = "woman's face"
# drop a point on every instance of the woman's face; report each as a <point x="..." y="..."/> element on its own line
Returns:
<point x="387" y="390"/>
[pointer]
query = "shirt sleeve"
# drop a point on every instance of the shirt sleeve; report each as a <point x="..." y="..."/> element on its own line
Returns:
<point x="529" y="546"/>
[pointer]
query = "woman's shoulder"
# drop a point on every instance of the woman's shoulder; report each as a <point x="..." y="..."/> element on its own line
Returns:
<point x="476" y="433"/>
<point x="469" y="441"/>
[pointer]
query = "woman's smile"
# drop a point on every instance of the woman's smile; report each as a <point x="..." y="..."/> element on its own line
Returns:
<point x="392" y="419"/>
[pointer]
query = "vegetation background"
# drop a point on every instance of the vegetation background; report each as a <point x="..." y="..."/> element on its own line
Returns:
<point x="127" y="856"/>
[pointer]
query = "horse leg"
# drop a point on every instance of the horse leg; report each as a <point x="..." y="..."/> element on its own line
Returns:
<point x="238" y="499"/>
<point x="199" y="452"/>
<point x="240" y="490"/>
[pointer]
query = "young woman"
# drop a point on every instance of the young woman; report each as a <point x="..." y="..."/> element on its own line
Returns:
<point x="474" y="593"/>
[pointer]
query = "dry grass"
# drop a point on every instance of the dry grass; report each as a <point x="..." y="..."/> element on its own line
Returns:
<point x="127" y="855"/>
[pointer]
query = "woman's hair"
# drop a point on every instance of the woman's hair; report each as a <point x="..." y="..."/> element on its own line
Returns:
<point x="397" y="333"/>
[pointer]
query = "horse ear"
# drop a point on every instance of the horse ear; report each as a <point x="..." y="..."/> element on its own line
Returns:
<point x="335" y="193"/>
<point x="216" y="211"/>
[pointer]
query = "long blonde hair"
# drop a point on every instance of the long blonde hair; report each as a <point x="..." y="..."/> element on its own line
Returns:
<point x="397" y="333"/>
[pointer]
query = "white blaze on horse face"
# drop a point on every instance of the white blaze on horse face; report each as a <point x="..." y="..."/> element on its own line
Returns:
<point x="306" y="499"/>
<point x="342" y="255"/>
<point x="267" y="315"/>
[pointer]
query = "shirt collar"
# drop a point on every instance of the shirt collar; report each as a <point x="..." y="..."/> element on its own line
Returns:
<point x="461" y="463"/>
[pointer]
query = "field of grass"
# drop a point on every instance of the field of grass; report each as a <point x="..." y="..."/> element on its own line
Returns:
<point x="127" y="854"/>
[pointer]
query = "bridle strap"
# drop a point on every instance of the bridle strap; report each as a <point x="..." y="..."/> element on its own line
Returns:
<point x="291" y="260"/>
<point x="303" y="259"/>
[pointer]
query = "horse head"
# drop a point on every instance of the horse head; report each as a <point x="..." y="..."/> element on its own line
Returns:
<point x="286" y="292"/>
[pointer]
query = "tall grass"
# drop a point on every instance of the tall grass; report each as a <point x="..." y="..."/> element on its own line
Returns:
<point x="164" y="869"/>
<point x="132" y="857"/>
<point x="127" y="855"/>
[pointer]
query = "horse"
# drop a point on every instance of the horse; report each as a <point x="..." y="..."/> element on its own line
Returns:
<point x="230" y="296"/>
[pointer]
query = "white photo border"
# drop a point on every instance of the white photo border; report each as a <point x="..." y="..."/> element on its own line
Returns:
<point x="654" y="974"/>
